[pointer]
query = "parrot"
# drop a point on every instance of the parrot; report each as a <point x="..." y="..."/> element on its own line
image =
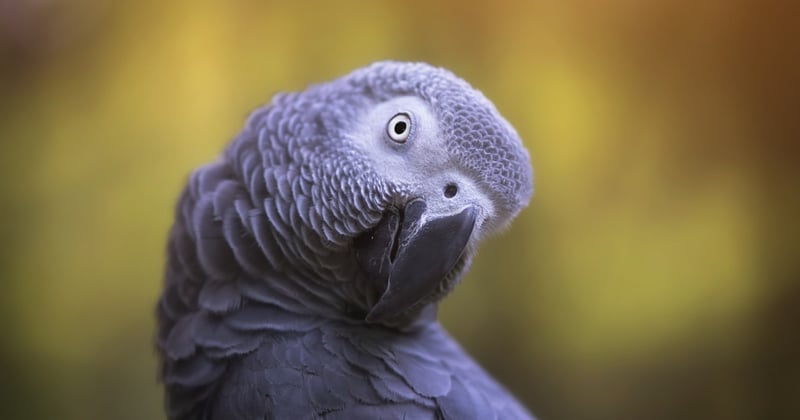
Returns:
<point x="305" y="264"/>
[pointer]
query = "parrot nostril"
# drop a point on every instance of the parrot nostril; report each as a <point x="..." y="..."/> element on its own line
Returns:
<point x="450" y="190"/>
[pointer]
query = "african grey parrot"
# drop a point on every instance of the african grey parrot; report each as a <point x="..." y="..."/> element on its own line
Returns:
<point x="305" y="265"/>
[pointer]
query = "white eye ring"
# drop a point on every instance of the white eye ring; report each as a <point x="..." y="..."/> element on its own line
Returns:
<point x="399" y="127"/>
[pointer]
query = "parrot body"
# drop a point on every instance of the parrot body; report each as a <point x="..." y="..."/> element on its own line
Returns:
<point x="304" y="266"/>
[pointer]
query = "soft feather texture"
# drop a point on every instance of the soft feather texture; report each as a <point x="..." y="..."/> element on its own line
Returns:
<point x="262" y="311"/>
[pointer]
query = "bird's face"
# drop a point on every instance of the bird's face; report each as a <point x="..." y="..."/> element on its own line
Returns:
<point x="403" y="139"/>
<point x="426" y="238"/>
<point x="463" y="173"/>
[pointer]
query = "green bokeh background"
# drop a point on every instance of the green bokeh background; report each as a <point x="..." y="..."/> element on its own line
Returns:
<point x="654" y="275"/>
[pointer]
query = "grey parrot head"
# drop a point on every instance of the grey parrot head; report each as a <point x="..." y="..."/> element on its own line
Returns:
<point x="381" y="183"/>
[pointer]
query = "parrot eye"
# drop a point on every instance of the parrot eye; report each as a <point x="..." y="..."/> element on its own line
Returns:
<point x="399" y="127"/>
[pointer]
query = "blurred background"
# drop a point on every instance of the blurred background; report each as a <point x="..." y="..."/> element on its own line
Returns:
<point x="655" y="274"/>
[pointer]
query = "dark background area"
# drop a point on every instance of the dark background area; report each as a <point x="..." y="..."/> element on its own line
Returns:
<point x="655" y="274"/>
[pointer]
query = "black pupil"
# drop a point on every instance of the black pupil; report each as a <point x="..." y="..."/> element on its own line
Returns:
<point x="400" y="127"/>
<point x="450" y="190"/>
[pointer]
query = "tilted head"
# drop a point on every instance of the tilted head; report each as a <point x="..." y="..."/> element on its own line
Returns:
<point x="365" y="196"/>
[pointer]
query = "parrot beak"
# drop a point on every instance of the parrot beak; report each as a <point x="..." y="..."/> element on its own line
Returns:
<point x="407" y="255"/>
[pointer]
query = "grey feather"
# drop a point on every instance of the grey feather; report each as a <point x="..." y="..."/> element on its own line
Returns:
<point x="282" y="248"/>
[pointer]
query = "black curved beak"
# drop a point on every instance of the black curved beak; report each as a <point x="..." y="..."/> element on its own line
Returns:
<point x="406" y="256"/>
